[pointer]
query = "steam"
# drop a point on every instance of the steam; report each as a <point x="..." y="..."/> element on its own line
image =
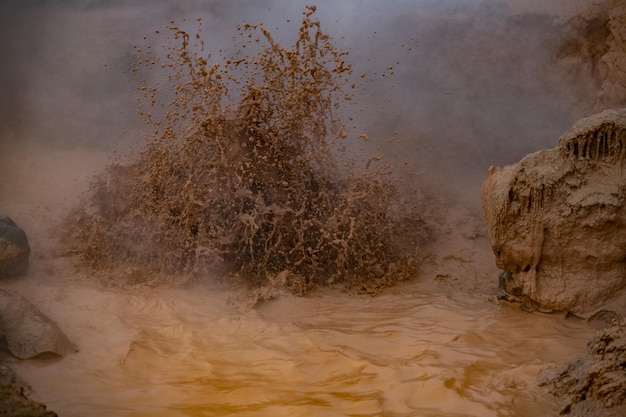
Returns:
<point x="450" y="87"/>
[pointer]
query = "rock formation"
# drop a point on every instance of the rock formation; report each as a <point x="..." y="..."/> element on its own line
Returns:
<point x="14" y="401"/>
<point x="595" y="46"/>
<point x="14" y="249"/>
<point x="27" y="331"/>
<point x="594" y="384"/>
<point x="557" y="220"/>
<point x="24" y="330"/>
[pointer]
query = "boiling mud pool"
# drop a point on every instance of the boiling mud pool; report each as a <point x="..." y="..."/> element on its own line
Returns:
<point x="148" y="352"/>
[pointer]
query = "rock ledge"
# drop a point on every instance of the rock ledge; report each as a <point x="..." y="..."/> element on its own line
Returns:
<point x="557" y="220"/>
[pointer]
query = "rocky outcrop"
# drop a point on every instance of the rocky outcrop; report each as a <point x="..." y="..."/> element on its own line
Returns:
<point x="27" y="331"/>
<point x="14" y="401"/>
<point x="595" y="46"/>
<point x="594" y="385"/>
<point x="14" y="249"/>
<point x="557" y="220"/>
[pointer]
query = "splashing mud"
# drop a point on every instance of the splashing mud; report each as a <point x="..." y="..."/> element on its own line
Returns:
<point x="256" y="132"/>
<point x="256" y="184"/>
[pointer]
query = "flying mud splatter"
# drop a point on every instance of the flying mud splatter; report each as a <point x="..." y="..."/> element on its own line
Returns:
<point x="244" y="169"/>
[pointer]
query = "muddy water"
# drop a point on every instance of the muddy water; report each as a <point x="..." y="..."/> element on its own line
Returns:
<point x="189" y="352"/>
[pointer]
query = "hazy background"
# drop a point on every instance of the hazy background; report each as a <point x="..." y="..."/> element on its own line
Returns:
<point x="473" y="83"/>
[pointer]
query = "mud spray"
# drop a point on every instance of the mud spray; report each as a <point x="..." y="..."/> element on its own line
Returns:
<point x="242" y="169"/>
<point x="280" y="162"/>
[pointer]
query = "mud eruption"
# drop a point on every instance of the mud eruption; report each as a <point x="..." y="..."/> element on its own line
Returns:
<point x="266" y="159"/>
<point x="243" y="168"/>
<point x="557" y="220"/>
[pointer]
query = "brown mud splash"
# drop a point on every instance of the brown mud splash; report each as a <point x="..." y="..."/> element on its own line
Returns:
<point x="242" y="170"/>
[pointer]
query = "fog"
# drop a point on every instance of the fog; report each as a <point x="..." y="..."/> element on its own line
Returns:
<point x="451" y="87"/>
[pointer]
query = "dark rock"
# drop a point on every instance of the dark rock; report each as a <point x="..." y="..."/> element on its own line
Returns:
<point x="14" y="401"/>
<point x="14" y="249"/>
<point x="27" y="331"/>
<point x="594" y="385"/>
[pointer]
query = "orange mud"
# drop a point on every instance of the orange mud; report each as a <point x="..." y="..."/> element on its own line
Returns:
<point x="439" y="345"/>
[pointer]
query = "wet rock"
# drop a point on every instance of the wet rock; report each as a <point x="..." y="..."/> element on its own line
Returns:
<point x="557" y="220"/>
<point x="593" y="385"/>
<point x="14" y="249"/>
<point x="14" y="401"/>
<point x="27" y="331"/>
